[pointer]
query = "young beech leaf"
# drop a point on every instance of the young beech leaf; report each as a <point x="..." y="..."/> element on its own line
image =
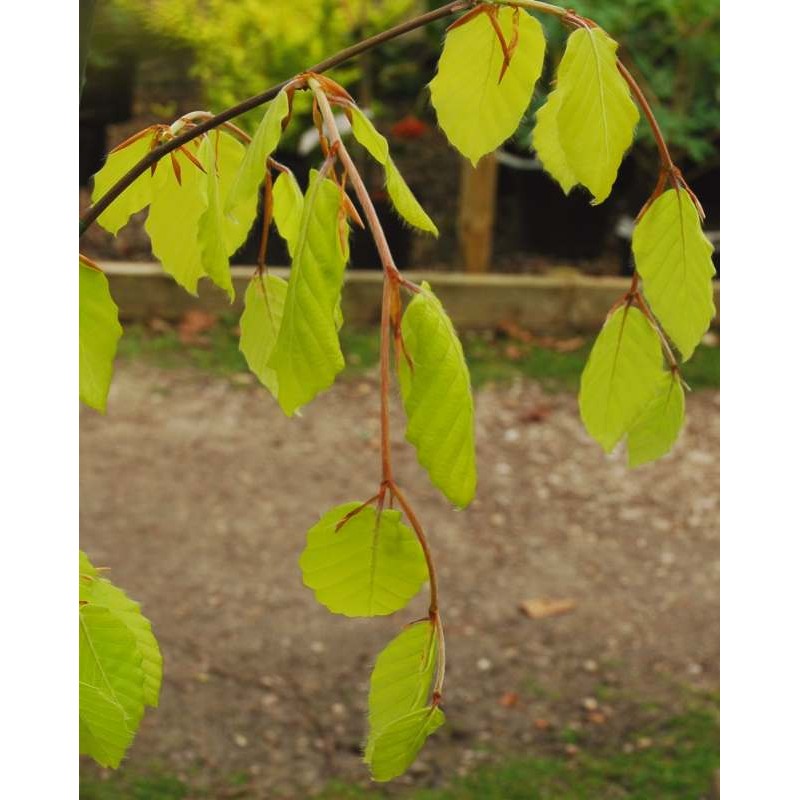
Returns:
<point x="103" y="732"/>
<point x="593" y="116"/>
<point x="253" y="167"/>
<point x="260" y="323"/>
<point x="401" y="680"/>
<point x="406" y="205"/>
<point x="547" y="143"/>
<point x="136" y="196"/>
<point x="307" y="357"/>
<point x="394" y="749"/>
<point x="673" y="257"/>
<point x="100" y="592"/>
<point x="98" y="333"/>
<point x="437" y="398"/>
<point x="287" y="209"/>
<point x="230" y="154"/>
<point x="219" y="236"/>
<point x="367" y="135"/>
<point x="622" y="376"/>
<point x="211" y="228"/>
<point x="85" y="568"/>
<point x="477" y="110"/>
<point x="111" y="665"/>
<point x="657" y="428"/>
<point x="370" y="567"/>
<point x="119" y="667"/>
<point x="173" y="220"/>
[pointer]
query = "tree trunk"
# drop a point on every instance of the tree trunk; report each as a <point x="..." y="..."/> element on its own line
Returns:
<point x="476" y="213"/>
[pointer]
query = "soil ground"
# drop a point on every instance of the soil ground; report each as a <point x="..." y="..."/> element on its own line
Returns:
<point x="196" y="492"/>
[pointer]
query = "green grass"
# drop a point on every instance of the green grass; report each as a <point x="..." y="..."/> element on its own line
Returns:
<point x="154" y="787"/>
<point x="492" y="358"/>
<point x="678" y="764"/>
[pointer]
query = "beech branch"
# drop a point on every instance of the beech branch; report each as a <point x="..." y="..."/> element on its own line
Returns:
<point x="157" y="153"/>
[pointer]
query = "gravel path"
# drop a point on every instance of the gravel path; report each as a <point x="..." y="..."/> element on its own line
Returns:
<point x="197" y="491"/>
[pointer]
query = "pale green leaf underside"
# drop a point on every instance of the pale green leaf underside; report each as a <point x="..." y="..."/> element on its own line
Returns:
<point x="135" y="197"/>
<point x="111" y="679"/>
<point x="260" y="323"/>
<point x="98" y="333"/>
<point x="437" y="398"/>
<point x="253" y="167"/>
<point x="367" y="568"/>
<point x="475" y="111"/>
<point x="622" y="376"/>
<point x="173" y="219"/>
<point x="673" y="257"/>
<point x="594" y="115"/>
<point x="287" y="209"/>
<point x="658" y="427"/>
<point x="394" y="749"/>
<point x="401" y="679"/>
<point x="406" y="205"/>
<point x="547" y="143"/>
<point x="307" y="357"/>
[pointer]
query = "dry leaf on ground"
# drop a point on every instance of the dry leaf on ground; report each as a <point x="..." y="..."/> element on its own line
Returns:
<point x="543" y="607"/>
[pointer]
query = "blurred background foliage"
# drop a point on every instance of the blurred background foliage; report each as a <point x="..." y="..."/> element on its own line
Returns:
<point x="234" y="50"/>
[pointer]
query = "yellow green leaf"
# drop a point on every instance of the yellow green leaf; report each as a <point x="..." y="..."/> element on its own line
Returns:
<point x="593" y="117"/>
<point x="401" y="680"/>
<point x="136" y="196"/>
<point x="437" y="398"/>
<point x="403" y="200"/>
<point x="230" y="154"/>
<point x="100" y="592"/>
<point x="657" y="429"/>
<point x="287" y="211"/>
<point x="673" y="257"/>
<point x="175" y="211"/>
<point x="622" y="376"/>
<point x="367" y="135"/>
<point x="254" y="165"/>
<point x="547" y="143"/>
<point x="307" y="357"/>
<point x="477" y="110"/>
<point x="98" y="333"/>
<point x="211" y="228"/>
<point x="260" y="323"/>
<point x="406" y="205"/>
<point x="111" y="685"/>
<point x="103" y="732"/>
<point x="394" y="749"/>
<point x="371" y="566"/>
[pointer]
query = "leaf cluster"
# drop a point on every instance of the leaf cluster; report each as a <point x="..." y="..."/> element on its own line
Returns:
<point x="120" y="667"/>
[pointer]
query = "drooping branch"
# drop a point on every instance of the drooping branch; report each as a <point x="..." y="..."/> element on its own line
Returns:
<point x="94" y="211"/>
<point x="433" y="611"/>
<point x="391" y="280"/>
<point x="391" y="275"/>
